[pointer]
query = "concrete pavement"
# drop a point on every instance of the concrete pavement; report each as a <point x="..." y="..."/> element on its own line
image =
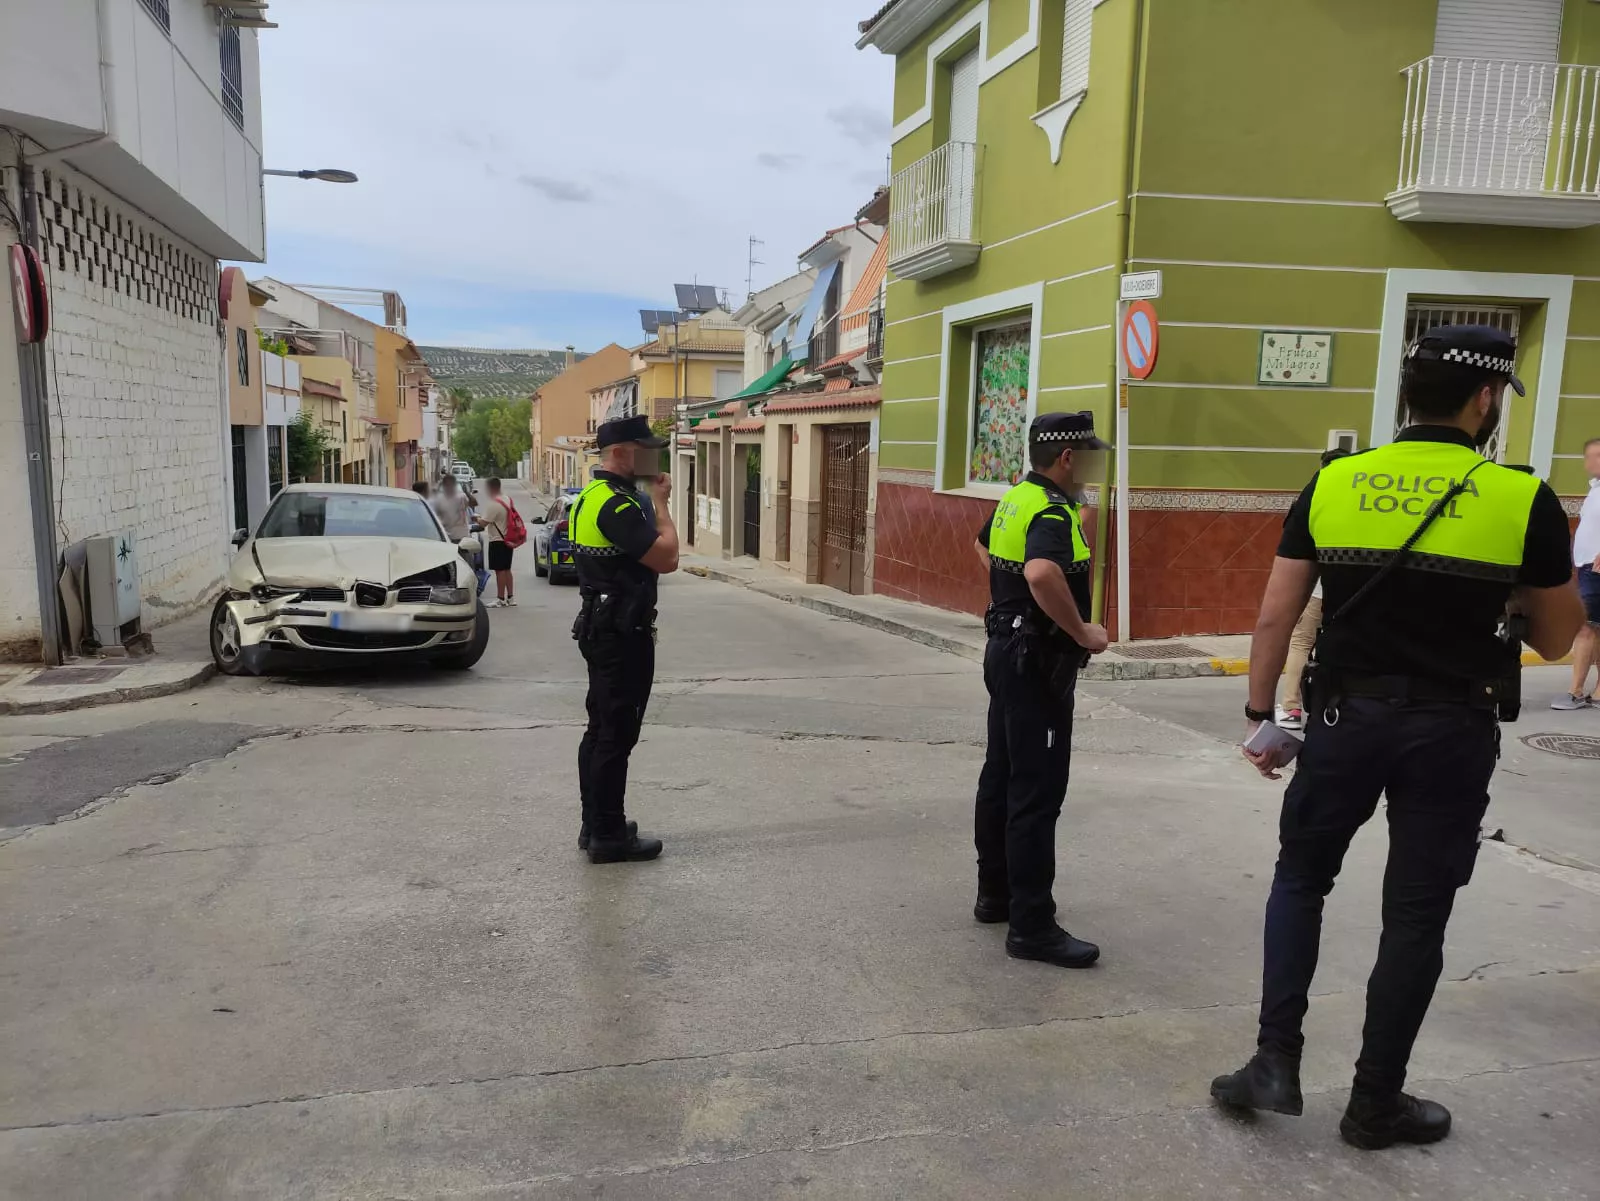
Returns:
<point x="330" y="937"/>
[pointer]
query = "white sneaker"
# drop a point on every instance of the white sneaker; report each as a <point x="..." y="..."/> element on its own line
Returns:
<point x="511" y="602"/>
<point x="1290" y="719"/>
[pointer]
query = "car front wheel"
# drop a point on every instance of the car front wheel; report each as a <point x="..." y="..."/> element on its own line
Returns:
<point x="228" y="651"/>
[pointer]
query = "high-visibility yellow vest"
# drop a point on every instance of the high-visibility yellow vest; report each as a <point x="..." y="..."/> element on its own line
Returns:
<point x="1366" y="506"/>
<point x="583" y="524"/>
<point x="1015" y="515"/>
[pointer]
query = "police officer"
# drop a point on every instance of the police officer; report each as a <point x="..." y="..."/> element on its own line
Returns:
<point x="1407" y="681"/>
<point x="620" y="552"/>
<point x="1039" y="637"/>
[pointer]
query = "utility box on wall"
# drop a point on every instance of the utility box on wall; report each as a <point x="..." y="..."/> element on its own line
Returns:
<point x="113" y="571"/>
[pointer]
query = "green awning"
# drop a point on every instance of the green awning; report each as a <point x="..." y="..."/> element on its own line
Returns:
<point x="768" y="381"/>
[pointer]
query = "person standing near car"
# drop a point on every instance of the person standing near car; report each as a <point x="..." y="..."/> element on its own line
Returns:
<point x="450" y="506"/>
<point x="1586" y="558"/>
<point x="495" y="517"/>
<point x="620" y="554"/>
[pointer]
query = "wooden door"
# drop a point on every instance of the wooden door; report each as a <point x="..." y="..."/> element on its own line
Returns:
<point x="844" y="506"/>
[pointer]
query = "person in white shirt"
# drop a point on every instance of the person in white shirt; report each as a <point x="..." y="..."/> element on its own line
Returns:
<point x="1291" y="715"/>
<point x="1586" y="558"/>
<point x="450" y="505"/>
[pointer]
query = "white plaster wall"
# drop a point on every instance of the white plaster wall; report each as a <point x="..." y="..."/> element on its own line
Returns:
<point x="140" y="433"/>
<point x="19" y="592"/>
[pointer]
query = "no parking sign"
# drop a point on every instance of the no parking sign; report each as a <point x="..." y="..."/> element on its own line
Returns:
<point x="1140" y="340"/>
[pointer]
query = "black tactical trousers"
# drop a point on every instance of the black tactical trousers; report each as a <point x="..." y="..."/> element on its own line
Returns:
<point x="1022" y="787"/>
<point x="622" y="668"/>
<point x="1434" y="761"/>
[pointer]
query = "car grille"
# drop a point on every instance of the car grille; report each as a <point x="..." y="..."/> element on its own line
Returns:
<point x="361" y="640"/>
<point x="414" y="594"/>
<point x="371" y="596"/>
<point x="333" y="595"/>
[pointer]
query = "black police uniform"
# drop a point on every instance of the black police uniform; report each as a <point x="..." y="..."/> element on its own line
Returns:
<point x="1030" y="668"/>
<point x="1403" y="702"/>
<point x="615" y="630"/>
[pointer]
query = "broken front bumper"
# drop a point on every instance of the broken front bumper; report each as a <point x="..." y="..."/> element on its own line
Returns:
<point x="309" y="624"/>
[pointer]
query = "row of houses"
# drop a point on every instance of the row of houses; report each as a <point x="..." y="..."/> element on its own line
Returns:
<point x="147" y="393"/>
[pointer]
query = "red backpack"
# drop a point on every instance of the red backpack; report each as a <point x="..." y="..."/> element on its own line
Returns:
<point x="516" y="528"/>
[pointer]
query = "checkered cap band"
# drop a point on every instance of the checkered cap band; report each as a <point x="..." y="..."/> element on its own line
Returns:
<point x="1064" y="436"/>
<point x="1471" y="358"/>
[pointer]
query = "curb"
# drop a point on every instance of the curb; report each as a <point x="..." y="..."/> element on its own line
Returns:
<point x="1101" y="668"/>
<point x="200" y="673"/>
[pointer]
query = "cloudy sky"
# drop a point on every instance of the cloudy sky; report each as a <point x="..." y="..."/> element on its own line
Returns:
<point x="534" y="171"/>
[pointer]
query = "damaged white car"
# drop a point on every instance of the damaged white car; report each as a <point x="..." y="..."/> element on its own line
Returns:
<point x="343" y="571"/>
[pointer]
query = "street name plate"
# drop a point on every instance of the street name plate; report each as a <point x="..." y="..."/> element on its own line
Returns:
<point x="1142" y="285"/>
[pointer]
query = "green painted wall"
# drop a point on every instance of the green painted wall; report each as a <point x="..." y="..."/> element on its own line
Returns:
<point x="1268" y="137"/>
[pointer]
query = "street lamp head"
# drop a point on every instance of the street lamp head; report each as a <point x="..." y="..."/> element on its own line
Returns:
<point x="325" y="174"/>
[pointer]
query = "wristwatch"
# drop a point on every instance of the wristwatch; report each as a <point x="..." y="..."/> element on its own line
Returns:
<point x="1257" y="714"/>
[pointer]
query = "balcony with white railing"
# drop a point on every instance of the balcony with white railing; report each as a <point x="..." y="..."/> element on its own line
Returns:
<point x="933" y="213"/>
<point x="1500" y="142"/>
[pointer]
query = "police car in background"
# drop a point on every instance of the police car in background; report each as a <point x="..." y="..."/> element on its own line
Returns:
<point x="552" y="540"/>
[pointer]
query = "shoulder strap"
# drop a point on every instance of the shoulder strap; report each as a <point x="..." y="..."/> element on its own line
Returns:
<point x="1398" y="558"/>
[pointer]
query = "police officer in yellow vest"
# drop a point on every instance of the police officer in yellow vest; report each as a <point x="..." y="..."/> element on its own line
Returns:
<point x="620" y="551"/>
<point x="1407" y="685"/>
<point x="1039" y="637"/>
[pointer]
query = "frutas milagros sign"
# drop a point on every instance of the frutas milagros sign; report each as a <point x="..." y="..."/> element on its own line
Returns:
<point x="1386" y="492"/>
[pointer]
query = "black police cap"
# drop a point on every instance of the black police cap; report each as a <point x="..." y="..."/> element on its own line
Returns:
<point x="1071" y="429"/>
<point x="628" y="429"/>
<point x="1481" y="346"/>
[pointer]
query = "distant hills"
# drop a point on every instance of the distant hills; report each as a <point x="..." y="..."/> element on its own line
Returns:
<point x="491" y="373"/>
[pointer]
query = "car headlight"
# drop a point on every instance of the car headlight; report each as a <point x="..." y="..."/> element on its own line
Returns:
<point x="450" y="596"/>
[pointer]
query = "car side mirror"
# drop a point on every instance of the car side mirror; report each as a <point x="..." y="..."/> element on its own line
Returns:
<point x="240" y="537"/>
<point x="539" y="520"/>
<point x="470" y="546"/>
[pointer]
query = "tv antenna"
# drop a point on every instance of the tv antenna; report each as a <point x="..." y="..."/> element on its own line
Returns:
<point x="750" y="268"/>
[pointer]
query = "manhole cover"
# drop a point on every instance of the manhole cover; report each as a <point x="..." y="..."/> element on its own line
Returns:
<point x="1573" y="746"/>
<point x="1169" y="650"/>
<point x="77" y="675"/>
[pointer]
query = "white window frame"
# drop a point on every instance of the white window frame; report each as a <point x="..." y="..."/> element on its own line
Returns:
<point x="974" y="373"/>
<point x="1554" y="290"/>
<point x="1004" y="308"/>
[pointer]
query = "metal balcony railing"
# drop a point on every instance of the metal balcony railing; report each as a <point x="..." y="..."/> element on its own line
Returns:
<point x="933" y="212"/>
<point x="824" y="342"/>
<point x="875" y="326"/>
<point x="1493" y="125"/>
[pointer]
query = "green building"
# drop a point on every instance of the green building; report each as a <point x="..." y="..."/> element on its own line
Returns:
<point x="1315" y="180"/>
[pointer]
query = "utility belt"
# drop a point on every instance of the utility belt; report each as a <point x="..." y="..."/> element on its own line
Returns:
<point x="1324" y="688"/>
<point x="1038" y="648"/>
<point x="612" y="615"/>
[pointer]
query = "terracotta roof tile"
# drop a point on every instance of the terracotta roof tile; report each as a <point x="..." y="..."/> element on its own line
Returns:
<point x="659" y="349"/>
<point x="837" y="385"/>
<point x="855" y="398"/>
<point x="749" y="424"/>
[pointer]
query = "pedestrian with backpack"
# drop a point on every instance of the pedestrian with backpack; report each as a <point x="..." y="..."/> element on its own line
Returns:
<point x="506" y="531"/>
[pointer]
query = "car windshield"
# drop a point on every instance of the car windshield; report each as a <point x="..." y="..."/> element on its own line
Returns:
<point x="349" y="515"/>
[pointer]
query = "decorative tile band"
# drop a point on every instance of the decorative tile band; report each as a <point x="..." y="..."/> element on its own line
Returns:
<point x="1211" y="501"/>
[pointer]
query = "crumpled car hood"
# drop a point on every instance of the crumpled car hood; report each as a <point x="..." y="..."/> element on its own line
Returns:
<point x="341" y="562"/>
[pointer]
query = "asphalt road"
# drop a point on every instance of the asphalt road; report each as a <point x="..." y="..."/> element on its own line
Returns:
<point x="330" y="937"/>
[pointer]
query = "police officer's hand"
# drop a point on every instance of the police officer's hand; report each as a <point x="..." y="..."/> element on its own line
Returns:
<point x="1097" y="639"/>
<point x="1266" y="762"/>
<point x="661" y="490"/>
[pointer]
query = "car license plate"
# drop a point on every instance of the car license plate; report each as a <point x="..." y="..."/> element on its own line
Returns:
<point x="379" y="622"/>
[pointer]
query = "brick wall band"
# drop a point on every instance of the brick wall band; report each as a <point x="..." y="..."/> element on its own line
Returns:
<point x="134" y="366"/>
